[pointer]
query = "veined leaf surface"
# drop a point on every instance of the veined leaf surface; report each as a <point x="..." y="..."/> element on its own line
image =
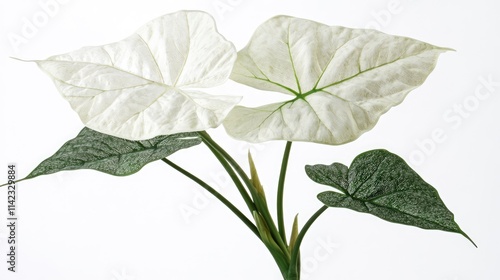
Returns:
<point x="146" y="85"/>
<point x="382" y="184"/>
<point x="116" y="156"/>
<point x="339" y="80"/>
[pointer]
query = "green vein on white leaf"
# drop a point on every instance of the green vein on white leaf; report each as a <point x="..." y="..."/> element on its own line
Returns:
<point x="346" y="77"/>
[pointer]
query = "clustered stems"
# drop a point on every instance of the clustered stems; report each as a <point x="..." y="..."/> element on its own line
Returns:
<point x="274" y="238"/>
<point x="260" y="205"/>
<point x="226" y="163"/>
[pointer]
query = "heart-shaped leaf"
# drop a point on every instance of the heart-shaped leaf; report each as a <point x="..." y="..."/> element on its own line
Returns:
<point x="340" y="80"/>
<point x="112" y="155"/>
<point x="382" y="184"/>
<point x="143" y="86"/>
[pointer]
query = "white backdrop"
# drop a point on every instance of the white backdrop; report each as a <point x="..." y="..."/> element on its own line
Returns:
<point x="157" y="224"/>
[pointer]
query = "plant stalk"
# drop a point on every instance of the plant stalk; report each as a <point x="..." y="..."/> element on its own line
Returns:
<point x="215" y="193"/>
<point x="259" y="205"/>
<point x="281" y="187"/>
<point x="227" y="166"/>
<point x="294" y="270"/>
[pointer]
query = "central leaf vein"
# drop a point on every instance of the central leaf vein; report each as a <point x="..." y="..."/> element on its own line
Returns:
<point x="291" y="60"/>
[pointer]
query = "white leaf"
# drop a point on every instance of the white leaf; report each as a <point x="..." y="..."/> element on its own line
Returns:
<point x="142" y="86"/>
<point x="340" y="80"/>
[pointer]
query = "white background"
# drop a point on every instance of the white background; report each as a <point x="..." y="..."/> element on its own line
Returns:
<point x="88" y="225"/>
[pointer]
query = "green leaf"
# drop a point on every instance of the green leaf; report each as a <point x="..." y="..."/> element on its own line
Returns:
<point x="382" y="184"/>
<point x="116" y="156"/>
<point x="148" y="84"/>
<point x="336" y="81"/>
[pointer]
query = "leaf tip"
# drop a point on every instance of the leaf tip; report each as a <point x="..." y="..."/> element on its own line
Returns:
<point x="15" y="182"/>
<point x="308" y="168"/>
<point x="448" y="50"/>
<point x="468" y="238"/>
<point x="20" y="59"/>
<point x="255" y="177"/>
<point x="321" y="196"/>
<point x="295" y="233"/>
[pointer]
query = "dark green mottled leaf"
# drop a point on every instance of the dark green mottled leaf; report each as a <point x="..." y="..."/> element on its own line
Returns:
<point x="116" y="156"/>
<point x="382" y="184"/>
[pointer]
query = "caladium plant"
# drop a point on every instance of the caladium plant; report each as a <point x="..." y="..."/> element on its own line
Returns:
<point x="139" y="101"/>
<point x="339" y="80"/>
<point x="146" y="85"/>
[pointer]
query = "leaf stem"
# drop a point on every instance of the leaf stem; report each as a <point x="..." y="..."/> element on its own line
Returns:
<point x="15" y="182"/>
<point x="215" y="193"/>
<point x="281" y="187"/>
<point x="227" y="166"/>
<point x="293" y="273"/>
<point x="259" y="205"/>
